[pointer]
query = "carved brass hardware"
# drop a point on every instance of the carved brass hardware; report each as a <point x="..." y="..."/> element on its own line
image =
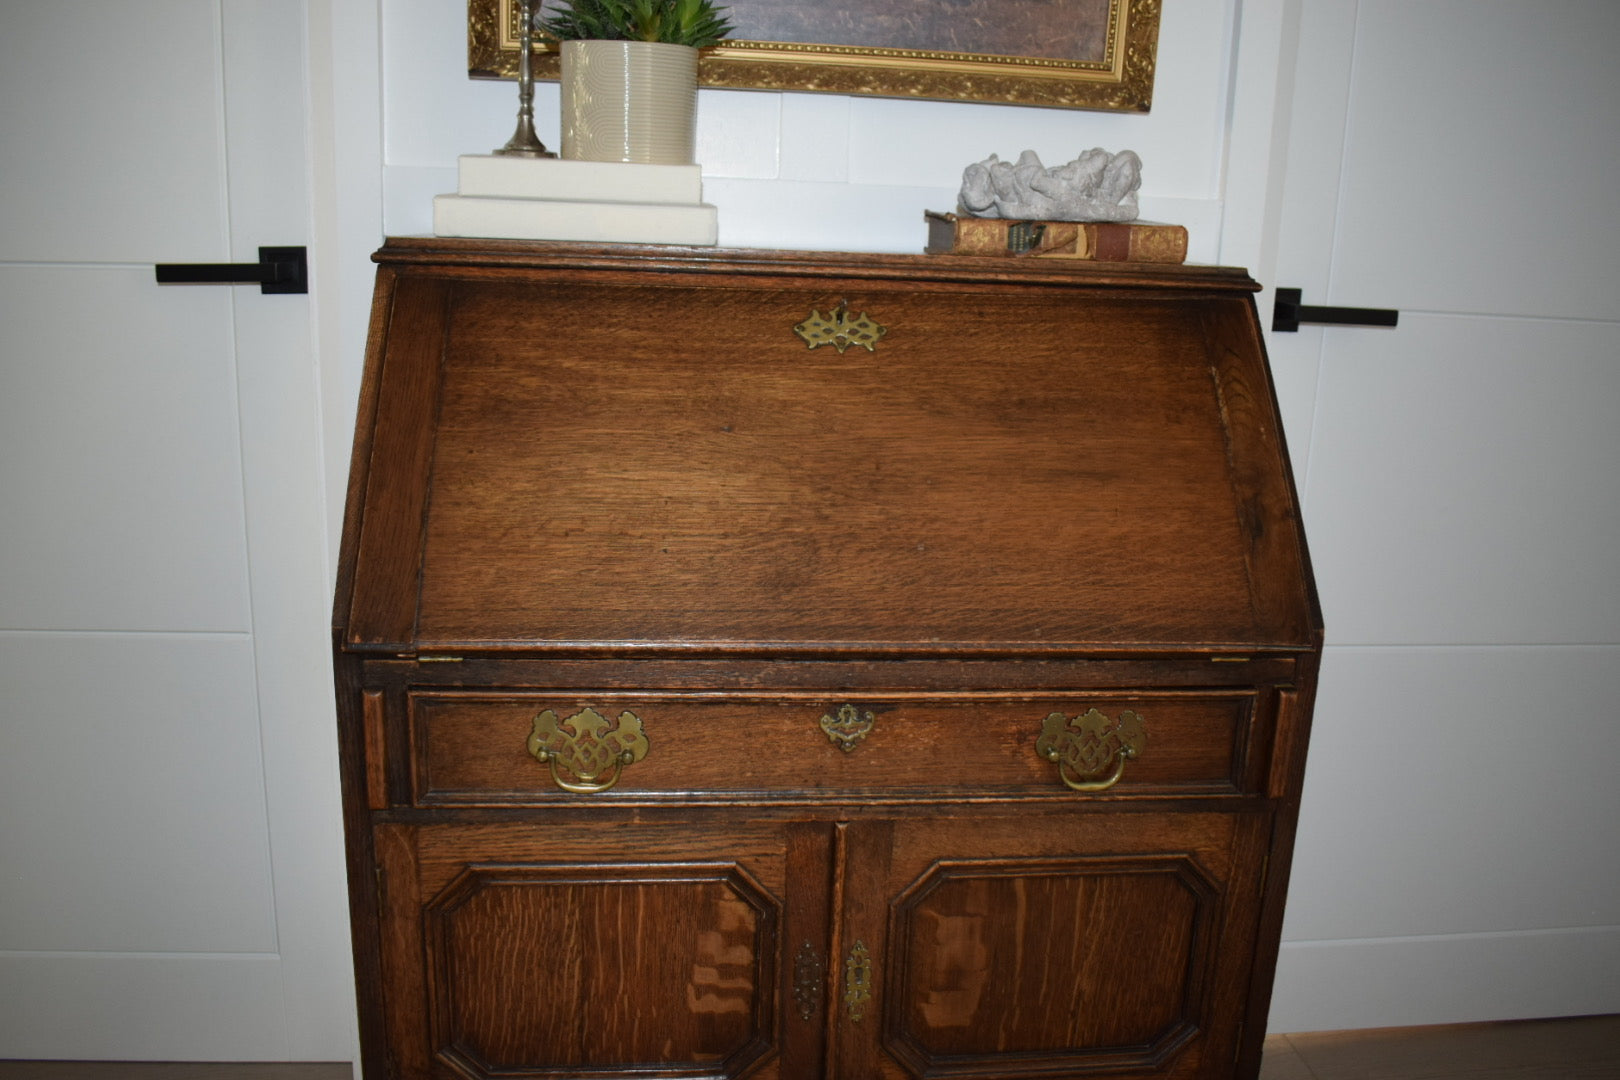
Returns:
<point x="587" y="751"/>
<point x="840" y="329"/>
<point x="1084" y="748"/>
<point x="848" y="728"/>
<point x="858" y="982"/>
<point x="807" y="981"/>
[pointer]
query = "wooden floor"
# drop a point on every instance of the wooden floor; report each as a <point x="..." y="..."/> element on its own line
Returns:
<point x="1583" y="1049"/>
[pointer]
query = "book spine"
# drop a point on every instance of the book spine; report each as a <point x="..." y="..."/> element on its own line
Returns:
<point x="1138" y="243"/>
<point x="1099" y="241"/>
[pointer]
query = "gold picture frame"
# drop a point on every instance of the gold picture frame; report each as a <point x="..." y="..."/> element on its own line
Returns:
<point x="1075" y="54"/>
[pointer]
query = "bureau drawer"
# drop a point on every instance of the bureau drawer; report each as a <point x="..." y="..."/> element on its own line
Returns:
<point x="482" y="748"/>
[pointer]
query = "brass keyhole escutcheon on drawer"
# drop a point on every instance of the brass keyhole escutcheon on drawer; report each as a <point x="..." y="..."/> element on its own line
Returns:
<point x="1090" y="751"/>
<point x="848" y="727"/>
<point x="584" y="753"/>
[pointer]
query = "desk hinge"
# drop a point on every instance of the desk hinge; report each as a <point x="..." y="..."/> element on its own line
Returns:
<point x="438" y="659"/>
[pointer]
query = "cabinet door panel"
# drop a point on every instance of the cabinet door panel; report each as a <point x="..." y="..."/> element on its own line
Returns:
<point x="590" y="950"/>
<point x="1028" y="947"/>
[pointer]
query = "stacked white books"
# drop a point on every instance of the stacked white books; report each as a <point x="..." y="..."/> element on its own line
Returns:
<point x="550" y="199"/>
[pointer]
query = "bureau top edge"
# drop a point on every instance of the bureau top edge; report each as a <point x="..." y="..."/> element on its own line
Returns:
<point x="1057" y="652"/>
<point x="447" y="253"/>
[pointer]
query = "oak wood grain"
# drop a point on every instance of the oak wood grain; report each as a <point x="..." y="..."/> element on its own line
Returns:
<point x="613" y="477"/>
<point x="395" y="491"/>
<point x="470" y="747"/>
<point x="993" y="486"/>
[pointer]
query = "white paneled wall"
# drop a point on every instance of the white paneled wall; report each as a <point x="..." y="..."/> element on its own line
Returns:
<point x="824" y="171"/>
<point x="157" y="842"/>
<point x="76" y="93"/>
<point x="119" y="433"/>
<point x="133" y="835"/>
<point x="1457" y="848"/>
<point x="170" y="850"/>
<point x="1459" y="482"/>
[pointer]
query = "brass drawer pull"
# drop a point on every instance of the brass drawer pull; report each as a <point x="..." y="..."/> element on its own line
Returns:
<point x="587" y="751"/>
<point x="840" y="329"/>
<point x="858" y="982"/>
<point x="1084" y="748"/>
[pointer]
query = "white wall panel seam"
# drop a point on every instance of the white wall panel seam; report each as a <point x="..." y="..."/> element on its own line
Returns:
<point x="223" y="137"/>
<point x="1339" y="197"/>
<point x="1505" y="316"/>
<point x="1468" y="646"/>
<point x="112" y="954"/>
<point x="1525" y="932"/>
<point x="189" y="635"/>
<point x="35" y="264"/>
<point x="243" y="451"/>
<point x="1311" y="457"/>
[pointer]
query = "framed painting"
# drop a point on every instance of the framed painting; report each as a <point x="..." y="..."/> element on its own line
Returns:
<point x="1077" y="54"/>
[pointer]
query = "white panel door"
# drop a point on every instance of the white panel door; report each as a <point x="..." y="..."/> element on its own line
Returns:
<point x="1455" y="160"/>
<point x="170" y="857"/>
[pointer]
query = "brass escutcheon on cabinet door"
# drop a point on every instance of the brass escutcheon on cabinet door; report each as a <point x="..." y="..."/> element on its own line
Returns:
<point x="857" y="982"/>
<point x="840" y="329"/>
<point x="1084" y="748"/>
<point x="585" y="749"/>
<point x="807" y="981"/>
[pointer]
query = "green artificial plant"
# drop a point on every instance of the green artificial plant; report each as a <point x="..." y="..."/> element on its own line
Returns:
<point x="698" y="23"/>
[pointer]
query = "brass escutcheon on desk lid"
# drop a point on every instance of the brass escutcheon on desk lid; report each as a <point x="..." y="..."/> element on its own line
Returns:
<point x="1084" y="748"/>
<point x="585" y="749"/>
<point x="840" y="329"/>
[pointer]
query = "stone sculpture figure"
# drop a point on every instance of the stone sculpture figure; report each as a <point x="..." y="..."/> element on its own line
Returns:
<point x="1096" y="186"/>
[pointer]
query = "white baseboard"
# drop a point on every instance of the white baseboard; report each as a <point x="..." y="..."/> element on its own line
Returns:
<point x="142" y="1006"/>
<point x="1450" y="979"/>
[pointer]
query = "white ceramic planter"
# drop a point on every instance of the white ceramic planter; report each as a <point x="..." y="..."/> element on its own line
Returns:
<point x="629" y="101"/>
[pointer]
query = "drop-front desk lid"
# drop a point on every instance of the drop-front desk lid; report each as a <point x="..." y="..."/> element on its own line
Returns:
<point x="625" y="450"/>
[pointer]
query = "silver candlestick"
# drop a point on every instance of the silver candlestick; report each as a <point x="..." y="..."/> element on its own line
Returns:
<point x="524" y="142"/>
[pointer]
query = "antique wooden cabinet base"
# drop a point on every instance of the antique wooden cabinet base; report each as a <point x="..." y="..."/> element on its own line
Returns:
<point x="806" y="665"/>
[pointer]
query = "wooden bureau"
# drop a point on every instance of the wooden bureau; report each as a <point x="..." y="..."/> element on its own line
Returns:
<point x="811" y="665"/>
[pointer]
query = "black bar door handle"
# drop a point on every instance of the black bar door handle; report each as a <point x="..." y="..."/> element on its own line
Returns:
<point x="279" y="270"/>
<point x="1287" y="313"/>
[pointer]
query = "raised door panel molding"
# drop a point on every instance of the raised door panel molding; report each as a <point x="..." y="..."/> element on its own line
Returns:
<point x="628" y="968"/>
<point x="132" y="812"/>
<point x="1105" y="942"/>
<point x="1461" y="485"/>
<point x="120" y="455"/>
<point x="1056" y="964"/>
<point x="1526" y="179"/>
<point x="142" y="1006"/>
<point x="598" y="948"/>
<point x="1506" y="755"/>
<point x="115" y="141"/>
